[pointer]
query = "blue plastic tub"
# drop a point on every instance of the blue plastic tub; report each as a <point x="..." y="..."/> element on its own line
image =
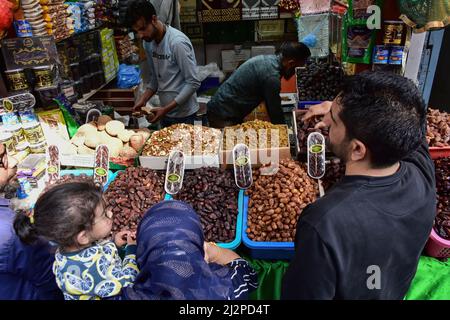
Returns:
<point x="307" y="104"/>
<point x="237" y="240"/>
<point x="265" y="250"/>
<point x="89" y="172"/>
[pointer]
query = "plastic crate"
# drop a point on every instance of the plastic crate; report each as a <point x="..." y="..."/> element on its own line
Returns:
<point x="437" y="152"/>
<point x="265" y="249"/>
<point x="437" y="247"/>
<point x="89" y="172"/>
<point x="307" y="104"/>
<point x="237" y="240"/>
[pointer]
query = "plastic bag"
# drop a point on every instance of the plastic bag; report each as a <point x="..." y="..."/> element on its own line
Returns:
<point x="128" y="76"/>
<point x="314" y="31"/>
<point x="210" y="70"/>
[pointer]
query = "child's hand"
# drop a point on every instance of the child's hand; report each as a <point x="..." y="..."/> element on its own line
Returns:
<point x="215" y="254"/>
<point x="131" y="237"/>
<point x="121" y="238"/>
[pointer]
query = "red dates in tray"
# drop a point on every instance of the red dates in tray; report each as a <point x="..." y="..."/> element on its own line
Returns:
<point x="131" y="194"/>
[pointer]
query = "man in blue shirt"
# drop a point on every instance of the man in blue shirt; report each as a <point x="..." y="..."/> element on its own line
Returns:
<point x="25" y="270"/>
<point x="172" y="65"/>
<point x="255" y="81"/>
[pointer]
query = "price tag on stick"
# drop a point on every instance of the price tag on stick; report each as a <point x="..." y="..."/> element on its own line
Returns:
<point x="101" y="165"/>
<point x="53" y="164"/>
<point x="316" y="157"/>
<point x="174" y="172"/>
<point x="242" y="166"/>
<point x="93" y="115"/>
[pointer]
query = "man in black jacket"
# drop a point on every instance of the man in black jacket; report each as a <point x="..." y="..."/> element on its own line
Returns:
<point x="363" y="239"/>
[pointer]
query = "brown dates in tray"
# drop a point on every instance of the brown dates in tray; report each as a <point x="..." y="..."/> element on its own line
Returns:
<point x="276" y="202"/>
<point x="304" y="128"/>
<point x="213" y="194"/>
<point x="69" y="178"/>
<point x="334" y="171"/>
<point x="131" y="194"/>
<point x="442" y="221"/>
<point x="438" y="128"/>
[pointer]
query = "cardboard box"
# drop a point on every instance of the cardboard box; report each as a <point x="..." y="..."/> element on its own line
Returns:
<point x="231" y="11"/>
<point x="269" y="9"/>
<point x="78" y="160"/>
<point x="231" y="59"/>
<point x="211" y="11"/>
<point x="52" y="122"/>
<point x="268" y="30"/>
<point x="221" y="10"/>
<point x="251" y="9"/>
<point x="259" y="156"/>
<point x="262" y="50"/>
<point x="188" y="11"/>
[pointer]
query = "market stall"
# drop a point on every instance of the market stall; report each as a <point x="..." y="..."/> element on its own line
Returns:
<point x="62" y="122"/>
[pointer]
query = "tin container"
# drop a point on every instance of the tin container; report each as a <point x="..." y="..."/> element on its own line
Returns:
<point x="44" y="76"/>
<point x="17" y="133"/>
<point x="23" y="28"/>
<point x="381" y="55"/>
<point x="10" y="119"/>
<point x="39" y="147"/>
<point x="94" y="64"/>
<point x="396" y="56"/>
<point x="24" y="146"/>
<point x="46" y="95"/>
<point x="33" y="133"/>
<point x="27" y="116"/>
<point x="67" y="87"/>
<point x="393" y="32"/>
<point x="16" y="80"/>
<point x="7" y="139"/>
<point x="98" y="79"/>
<point x="75" y="71"/>
<point x="86" y="85"/>
<point x="84" y="68"/>
<point x="78" y="86"/>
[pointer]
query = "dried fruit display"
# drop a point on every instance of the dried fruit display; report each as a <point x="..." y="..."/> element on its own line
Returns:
<point x="276" y="202"/>
<point x="256" y="134"/>
<point x="192" y="140"/>
<point x="438" y="128"/>
<point x="213" y="194"/>
<point x="319" y="82"/>
<point x="131" y="194"/>
<point x="442" y="221"/>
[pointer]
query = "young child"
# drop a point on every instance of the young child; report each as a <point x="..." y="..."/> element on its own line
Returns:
<point x="77" y="219"/>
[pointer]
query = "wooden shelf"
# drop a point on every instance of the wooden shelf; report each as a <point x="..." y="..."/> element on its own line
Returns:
<point x="87" y="96"/>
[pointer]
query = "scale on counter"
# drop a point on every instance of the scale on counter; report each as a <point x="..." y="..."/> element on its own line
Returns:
<point x="242" y="166"/>
<point x="174" y="172"/>
<point x="316" y="158"/>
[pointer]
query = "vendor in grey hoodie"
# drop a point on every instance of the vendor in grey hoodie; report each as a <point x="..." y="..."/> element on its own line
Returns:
<point x="172" y="66"/>
<point x="168" y="12"/>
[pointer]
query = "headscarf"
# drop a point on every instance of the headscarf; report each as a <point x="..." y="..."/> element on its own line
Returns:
<point x="170" y="257"/>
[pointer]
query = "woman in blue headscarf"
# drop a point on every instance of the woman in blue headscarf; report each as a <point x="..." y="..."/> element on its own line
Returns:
<point x="174" y="265"/>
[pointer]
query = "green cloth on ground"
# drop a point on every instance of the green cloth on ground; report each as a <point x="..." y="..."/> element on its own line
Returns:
<point x="431" y="282"/>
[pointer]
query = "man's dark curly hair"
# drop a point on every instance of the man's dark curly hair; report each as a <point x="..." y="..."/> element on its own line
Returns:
<point x="139" y="9"/>
<point x="386" y="112"/>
